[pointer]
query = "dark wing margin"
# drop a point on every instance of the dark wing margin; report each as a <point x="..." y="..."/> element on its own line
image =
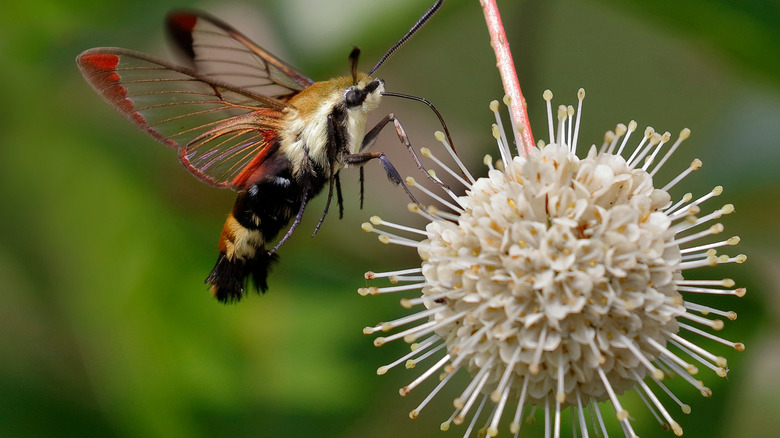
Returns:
<point x="221" y="132"/>
<point x="219" y="51"/>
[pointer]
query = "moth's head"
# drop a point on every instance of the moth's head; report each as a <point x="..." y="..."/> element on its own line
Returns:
<point x="364" y="93"/>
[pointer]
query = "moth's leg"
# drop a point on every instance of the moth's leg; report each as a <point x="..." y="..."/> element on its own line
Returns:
<point x="297" y="221"/>
<point x="371" y="136"/>
<point x="392" y="174"/>
<point x="327" y="204"/>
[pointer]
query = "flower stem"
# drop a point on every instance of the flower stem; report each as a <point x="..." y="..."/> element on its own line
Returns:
<point x="507" y="69"/>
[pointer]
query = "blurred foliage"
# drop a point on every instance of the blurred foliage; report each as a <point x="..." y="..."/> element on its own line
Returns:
<point x="107" y="327"/>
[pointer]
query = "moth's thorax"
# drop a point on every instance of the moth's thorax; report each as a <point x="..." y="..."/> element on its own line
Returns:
<point x="306" y="124"/>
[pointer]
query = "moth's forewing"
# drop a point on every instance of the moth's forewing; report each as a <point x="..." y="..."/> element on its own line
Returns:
<point x="218" y="51"/>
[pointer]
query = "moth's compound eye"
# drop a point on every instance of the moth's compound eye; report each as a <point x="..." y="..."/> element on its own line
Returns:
<point x="353" y="98"/>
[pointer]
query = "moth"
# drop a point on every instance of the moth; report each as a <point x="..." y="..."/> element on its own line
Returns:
<point x="241" y="118"/>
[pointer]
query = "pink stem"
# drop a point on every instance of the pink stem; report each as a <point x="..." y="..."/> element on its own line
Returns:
<point x="507" y="69"/>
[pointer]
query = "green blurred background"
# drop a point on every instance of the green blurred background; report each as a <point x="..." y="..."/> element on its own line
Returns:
<point x="107" y="328"/>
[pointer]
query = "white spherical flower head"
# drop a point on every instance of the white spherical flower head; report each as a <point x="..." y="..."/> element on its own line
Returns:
<point x="573" y="255"/>
<point x="556" y="281"/>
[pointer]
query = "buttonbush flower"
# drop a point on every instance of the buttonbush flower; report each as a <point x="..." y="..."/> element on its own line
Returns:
<point x="558" y="281"/>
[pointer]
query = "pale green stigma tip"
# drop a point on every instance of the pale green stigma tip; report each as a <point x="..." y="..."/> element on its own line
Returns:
<point x="496" y="132"/>
<point x="561" y="112"/>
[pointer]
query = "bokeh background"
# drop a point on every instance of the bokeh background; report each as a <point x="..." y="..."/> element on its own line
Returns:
<point x="106" y="327"/>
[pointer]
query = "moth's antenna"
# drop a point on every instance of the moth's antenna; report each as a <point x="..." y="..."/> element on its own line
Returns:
<point x="427" y="16"/>
<point x="353" y="60"/>
<point x="430" y="105"/>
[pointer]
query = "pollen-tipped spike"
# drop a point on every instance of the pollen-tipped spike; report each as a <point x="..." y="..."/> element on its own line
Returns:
<point x="495" y="131"/>
<point x="561" y="112"/>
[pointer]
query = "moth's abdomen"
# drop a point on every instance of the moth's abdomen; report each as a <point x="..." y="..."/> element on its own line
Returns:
<point x="242" y="255"/>
<point x="258" y="215"/>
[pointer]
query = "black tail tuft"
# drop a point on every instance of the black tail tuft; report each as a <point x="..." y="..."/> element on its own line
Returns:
<point x="229" y="278"/>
